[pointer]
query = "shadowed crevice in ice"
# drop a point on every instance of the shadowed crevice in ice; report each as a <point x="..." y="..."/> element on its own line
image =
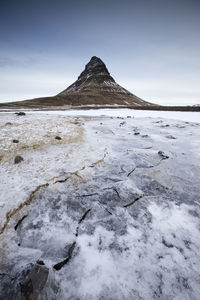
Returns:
<point x="59" y="265"/>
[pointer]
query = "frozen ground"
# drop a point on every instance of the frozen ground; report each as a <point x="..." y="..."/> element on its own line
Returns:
<point x="109" y="211"/>
<point x="124" y="112"/>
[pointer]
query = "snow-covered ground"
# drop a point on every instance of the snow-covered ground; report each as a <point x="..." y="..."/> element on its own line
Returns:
<point x="124" y="112"/>
<point x="111" y="209"/>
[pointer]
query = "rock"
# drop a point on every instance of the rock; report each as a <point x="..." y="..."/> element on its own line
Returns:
<point x="163" y="126"/>
<point x="170" y="137"/>
<point x="40" y="262"/>
<point x="18" y="159"/>
<point x="136" y="133"/>
<point x="15" y="141"/>
<point x="163" y="155"/>
<point x="21" y="113"/>
<point x="33" y="283"/>
<point x="8" y="123"/>
<point x="58" y="138"/>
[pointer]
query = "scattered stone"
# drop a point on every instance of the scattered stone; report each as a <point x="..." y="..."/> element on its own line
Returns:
<point x="18" y="159"/>
<point x="128" y="116"/>
<point x="58" y="138"/>
<point x="144" y="135"/>
<point x="163" y="155"/>
<point x="8" y="123"/>
<point x="40" y="262"/>
<point x="163" y="126"/>
<point x="168" y="245"/>
<point x="21" y="113"/>
<point x="15" y="141"/>
<point x="170" y="137"/>
<point x="136" y="133"/>
<point x="122" y="123"/>
<point x="33" y="283"/>
<point x="76" y="122"/>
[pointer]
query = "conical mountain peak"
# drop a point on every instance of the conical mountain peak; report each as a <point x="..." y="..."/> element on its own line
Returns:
<point x="95" y="85"/>
<point x="95" y="67"/>
<point x="95" y="61"/>
<point x="96" y="64"/>
<point x="94" y="76"/>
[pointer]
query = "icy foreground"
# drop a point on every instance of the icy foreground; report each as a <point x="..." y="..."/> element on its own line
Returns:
<point x="109" y="211"/>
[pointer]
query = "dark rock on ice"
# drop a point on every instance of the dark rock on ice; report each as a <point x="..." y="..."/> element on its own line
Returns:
<point x="18" y="159"/>
<point x="40" y="262"/>
<point x="163" y="155"/>
<point x="21" y="113"/>
<point x="58" y="138"/>
<point x="33" y="283"/>
<point x="170" y="137"/>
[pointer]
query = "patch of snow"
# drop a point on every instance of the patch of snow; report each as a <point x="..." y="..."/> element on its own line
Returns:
<point x="124" y="112"/>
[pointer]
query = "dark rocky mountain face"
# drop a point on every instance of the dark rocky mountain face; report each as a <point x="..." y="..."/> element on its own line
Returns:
<point x="95" y="75"/>
<point x="97" y="69"/>
<point x="95" y="78"/>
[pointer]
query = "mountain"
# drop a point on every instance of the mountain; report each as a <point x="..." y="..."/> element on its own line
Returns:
<point x="94" y="87"/>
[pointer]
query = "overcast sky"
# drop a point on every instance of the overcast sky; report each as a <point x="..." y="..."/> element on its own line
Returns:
<point x="150" y="47"/>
